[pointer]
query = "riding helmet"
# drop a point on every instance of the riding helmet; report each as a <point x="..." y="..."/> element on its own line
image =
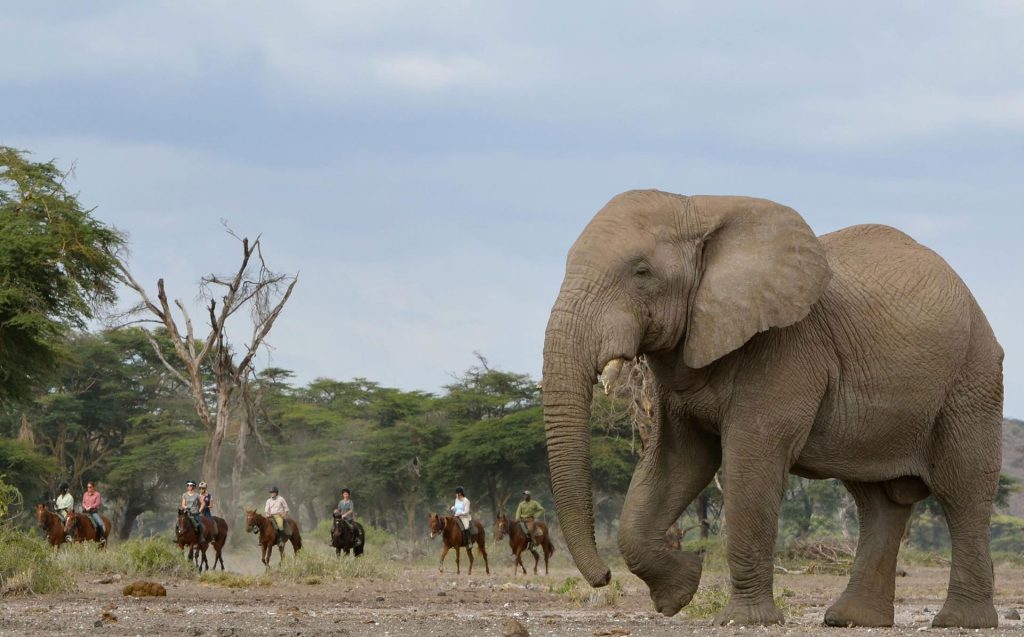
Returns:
<point x="63" y="486"/>
<point x="273" y="489"/>
<point x="202" y="485"/>
<point x="460" y="490"/>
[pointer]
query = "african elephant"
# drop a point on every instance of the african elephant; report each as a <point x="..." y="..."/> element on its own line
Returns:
<point x="859" y="355"/>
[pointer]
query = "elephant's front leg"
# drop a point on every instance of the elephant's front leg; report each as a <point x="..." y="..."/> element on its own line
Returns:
<point x="677" y="465"/>
<point x="756" y="468"/>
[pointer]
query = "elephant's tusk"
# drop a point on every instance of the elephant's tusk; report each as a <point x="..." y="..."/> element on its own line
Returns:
<point x="610" y="374"/>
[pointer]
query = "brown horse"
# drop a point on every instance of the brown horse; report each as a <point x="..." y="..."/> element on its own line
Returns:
<point x="81" y="529"/>
<point x="450" y="530"/>
<point x="220" y="538"/>
<point x="519" y="542"/>
<point x="256" y="523"/>
<point x="51" y="525"/>
<point x="212" y="534"/>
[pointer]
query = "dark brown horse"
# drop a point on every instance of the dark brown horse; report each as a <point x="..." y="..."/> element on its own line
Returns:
<point x="51" y="525"/>
<point x="519" y="542"/>
<point x="215" y="532"/>
<point x="256" y="523"/>
<point x="450" y="530"/>
<point x="81" y="529"/>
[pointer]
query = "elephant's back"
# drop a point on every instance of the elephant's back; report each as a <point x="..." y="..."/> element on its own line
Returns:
<point x="901" y="323"/>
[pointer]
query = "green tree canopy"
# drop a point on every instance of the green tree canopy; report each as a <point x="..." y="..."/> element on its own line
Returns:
<point x="56" y="266"/>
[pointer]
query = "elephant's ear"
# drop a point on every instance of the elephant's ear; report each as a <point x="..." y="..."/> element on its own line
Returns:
<point x="762" y="267"/>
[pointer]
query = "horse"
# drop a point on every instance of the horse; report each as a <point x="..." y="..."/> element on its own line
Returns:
<point x="51" y="525"/>
<point x="343" y="537"/>
<point x="81" y="528"/>
<point x="264" y="527"/>
<point x="519" y="542"/>
<point x="212" y="534"/>
<point x="450" y="530"/>
<point x="219" y="540"/>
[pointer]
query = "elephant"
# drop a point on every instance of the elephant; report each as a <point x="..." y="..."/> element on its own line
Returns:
<point x="859" y="355"/>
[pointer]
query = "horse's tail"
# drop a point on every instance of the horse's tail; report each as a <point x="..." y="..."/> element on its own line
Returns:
<point x="296" y="536"/>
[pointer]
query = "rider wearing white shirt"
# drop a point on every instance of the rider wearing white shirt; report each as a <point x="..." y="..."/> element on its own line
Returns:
<point x="461" y="511"/>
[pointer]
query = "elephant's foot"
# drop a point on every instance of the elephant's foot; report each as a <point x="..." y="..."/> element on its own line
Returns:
<point x="740" y="613"/>
<point x="674" y="582"/>
<point x="962" y="613"/>
<point x="859" y="610"/>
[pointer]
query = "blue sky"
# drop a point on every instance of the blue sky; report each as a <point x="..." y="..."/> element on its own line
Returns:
<point x="425" y="166"/>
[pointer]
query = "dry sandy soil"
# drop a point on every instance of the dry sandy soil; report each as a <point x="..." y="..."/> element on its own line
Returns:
<point x="419" y="601"/>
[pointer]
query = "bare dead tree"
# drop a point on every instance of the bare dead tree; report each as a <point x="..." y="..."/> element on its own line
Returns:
<point x="253" y="288"/>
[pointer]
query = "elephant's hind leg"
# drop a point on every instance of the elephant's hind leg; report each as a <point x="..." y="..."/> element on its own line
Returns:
<point x="965" y="462"/>
<point x="868" y="598"/>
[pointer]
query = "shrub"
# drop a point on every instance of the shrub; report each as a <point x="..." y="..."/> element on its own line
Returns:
<point x="27" y="566"/>
<point x="319" y="563"/>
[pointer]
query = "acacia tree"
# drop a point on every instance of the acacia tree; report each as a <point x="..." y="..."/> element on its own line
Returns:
<point x="253" y="288"/>
<point x="57" y="264"/>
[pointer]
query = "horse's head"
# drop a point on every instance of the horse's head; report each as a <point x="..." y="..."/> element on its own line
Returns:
<point x="436" y="524"/>
<point x="250" y="521"/>
<point x="71" y="524"/>
<point x="674" y="537"/>
<point x="182" y="524"/>
<point x="42" y="515"/>
<point x="502" y="525"/>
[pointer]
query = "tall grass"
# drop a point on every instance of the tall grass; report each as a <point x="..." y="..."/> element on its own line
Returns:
<point x="147" y="557"/>
<point x="27" y="566"/>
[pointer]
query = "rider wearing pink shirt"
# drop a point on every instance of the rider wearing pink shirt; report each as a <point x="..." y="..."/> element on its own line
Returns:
<point x="91" y="502"/>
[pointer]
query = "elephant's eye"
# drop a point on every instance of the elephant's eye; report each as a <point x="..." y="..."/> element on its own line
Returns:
<point x="642" y="269"/>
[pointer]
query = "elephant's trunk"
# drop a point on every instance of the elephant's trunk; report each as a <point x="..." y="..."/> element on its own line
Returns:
<point x="570" y="360"/>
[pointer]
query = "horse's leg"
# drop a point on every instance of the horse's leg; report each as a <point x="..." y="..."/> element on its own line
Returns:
<point x="536" y="560"/>
<point x="483" y="552"/>
<point x="458" y="570"/>
<point x="469" y="552"/>
<point x="440" y="564"/>
<point x="517" y="563"/>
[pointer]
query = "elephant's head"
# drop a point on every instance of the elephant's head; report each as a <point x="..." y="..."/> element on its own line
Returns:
<point x="654" y="272"/>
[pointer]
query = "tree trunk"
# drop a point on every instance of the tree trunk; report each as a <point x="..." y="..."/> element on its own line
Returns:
<point x="702" y="515"/>
<point x="130" y="514"/>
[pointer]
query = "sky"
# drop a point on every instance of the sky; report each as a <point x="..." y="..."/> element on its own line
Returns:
<point x="425" y="167"/>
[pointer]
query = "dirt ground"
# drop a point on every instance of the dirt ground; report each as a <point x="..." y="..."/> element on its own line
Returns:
<point x="420" y="601"/>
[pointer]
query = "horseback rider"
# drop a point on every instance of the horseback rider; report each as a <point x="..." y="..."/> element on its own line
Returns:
<point x="190" y="502"/>
<point x="346" y="513"/>
<point x="527" y="513"/>
<point x="205" y="501"/>
<point x="276" y="509"/>
<point x="91" y="501"/>
<point x="462" y="513"/>
<point x="65" y="502"/>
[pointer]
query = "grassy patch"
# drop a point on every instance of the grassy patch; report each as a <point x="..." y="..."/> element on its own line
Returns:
<point x="316" y="564"/>
<point x="707" y="602"/>
<point x="233" y="580"/>
<point x="27" y="566"/>
<point x="147" y="557"/>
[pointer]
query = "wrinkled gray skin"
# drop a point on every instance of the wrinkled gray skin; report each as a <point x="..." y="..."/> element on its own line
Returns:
<point x="859" y="355"/>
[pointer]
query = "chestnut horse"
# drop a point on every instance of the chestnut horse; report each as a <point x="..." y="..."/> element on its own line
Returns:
<point x="51" y="525"/>
<point x="518" y="542"/>
<point x="81" y="529"/>
<point x="450" y="530"/>
<point x="264" y="527"/>
<point x="215" y="532"/>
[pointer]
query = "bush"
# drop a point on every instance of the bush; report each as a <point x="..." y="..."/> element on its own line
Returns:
<point x="27" y="566"/>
